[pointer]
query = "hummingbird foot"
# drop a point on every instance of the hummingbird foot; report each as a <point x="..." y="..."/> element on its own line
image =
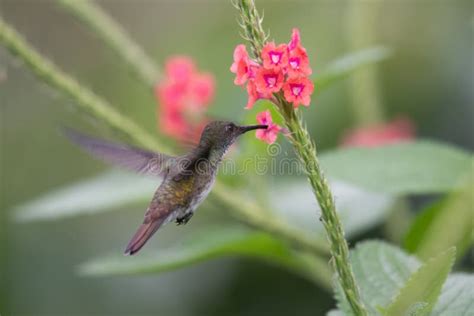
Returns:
<point x="184" y="219"/>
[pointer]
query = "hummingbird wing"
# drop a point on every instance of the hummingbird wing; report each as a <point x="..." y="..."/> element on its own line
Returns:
<point x="128" y="157"/>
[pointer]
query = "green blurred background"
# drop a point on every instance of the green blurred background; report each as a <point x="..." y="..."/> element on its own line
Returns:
<point x="429" y="79"/>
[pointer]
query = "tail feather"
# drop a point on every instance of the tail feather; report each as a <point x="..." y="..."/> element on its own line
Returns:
<point x="144" y="232"/>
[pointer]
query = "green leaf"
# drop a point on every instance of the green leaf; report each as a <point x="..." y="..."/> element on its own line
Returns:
<point x="456" y="296"/>
<point x="446" y="223"/>
<point x="359" y="210"/>
<point x="380" y="270"/>
<point x="344" y="66"/>
<point x="421" y="224"/>
<point x="423" y="287"/>
<point x="407" y="168"/>
<point x="386" y="274"/>
<point x="417" y="309"/>
<point x="210" y="243"/>
<point x="98" y="194"/>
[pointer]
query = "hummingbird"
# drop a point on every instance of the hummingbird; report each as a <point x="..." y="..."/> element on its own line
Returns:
<point x="187" y="179"/>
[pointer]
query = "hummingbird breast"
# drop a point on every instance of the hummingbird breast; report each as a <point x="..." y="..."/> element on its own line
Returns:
<point x="183" y="193"/>
<point x="203" y="187"/>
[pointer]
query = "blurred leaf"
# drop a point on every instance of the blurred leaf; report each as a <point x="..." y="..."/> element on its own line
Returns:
<point x="101" y="193"/>
<point x="421" y="291"/>
<point x="344" y="66"/>
<point x="446" y="223"/>
<point x="405" y="168"/>
<point x="421" y="224"/>
<point x="417" y="309"/>
<point x="380" y="270"/>
<point x="398" y="169"/>
<point x="358" y="209"/>
<point x="456" y="296"/>
<point x="208" y="244"/>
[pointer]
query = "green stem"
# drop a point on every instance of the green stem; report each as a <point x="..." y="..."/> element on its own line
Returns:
<point x="365" y="97"/>
<point x="251" y="26"/>
<point x="84" y="98"/>
<point x="89" y="102"/>
<point x="306" y="151"/>
<point x="114" y="36"/>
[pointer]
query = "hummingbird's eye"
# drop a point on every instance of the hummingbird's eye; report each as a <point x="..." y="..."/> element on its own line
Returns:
<point x="229" y="127"/>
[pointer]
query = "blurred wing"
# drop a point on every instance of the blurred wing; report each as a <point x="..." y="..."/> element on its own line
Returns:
<point x="128" y="157"/>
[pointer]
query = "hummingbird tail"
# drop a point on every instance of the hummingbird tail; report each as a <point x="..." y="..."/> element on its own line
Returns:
<point x="144" y="232"/>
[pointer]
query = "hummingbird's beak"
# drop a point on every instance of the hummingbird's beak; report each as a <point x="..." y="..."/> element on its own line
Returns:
<point x="245" y="129"/>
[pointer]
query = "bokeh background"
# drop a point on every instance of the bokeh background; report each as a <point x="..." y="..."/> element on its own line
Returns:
<point x="429" y="79"/>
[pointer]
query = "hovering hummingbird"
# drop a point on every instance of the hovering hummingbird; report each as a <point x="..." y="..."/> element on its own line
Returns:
<point x="187" y="179"/>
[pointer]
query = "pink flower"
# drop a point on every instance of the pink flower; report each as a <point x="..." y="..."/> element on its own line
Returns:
<point x="254" y="95"/>
<point x="270" y="134"/>
<point x="298" y="63"/>
<point x="202" y="88"/>
<point x="283" y="66"/>
<point x="398" y="130"/>
<point x="274" y="57"/>
<point x="269" y="80"/>
<point x="183" y="96"/>
<point x="242" y="65"/>
<point x="169" y="92"/>
<point x="298" y="91"/>
<point x="295" y="39"/>
<point x="171" y="122"/>
<point x="180" y="68"/>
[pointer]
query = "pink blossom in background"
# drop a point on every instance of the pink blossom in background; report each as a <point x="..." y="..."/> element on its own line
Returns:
<point x="171" y="122"/>
<point x="180" y="69"/>
<point x="270" y="134"/>
<point x="398" y="130"/>
<point x="202" y="90"/>
<point x="183" y="96"/>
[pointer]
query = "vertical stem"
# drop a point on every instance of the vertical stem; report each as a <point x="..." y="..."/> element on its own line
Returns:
<point x="366" y="100"/>
<point x="306" y="151"/>
<point x="365" y="97"/>
<point x="114" y="36"/>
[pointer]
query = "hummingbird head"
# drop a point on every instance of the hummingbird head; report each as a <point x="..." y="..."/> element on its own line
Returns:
<point x="220" y="135"/>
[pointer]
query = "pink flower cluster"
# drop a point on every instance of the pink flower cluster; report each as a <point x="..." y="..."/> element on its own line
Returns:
<point x="284" y="67"/>
<point x="184" y="95"/>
